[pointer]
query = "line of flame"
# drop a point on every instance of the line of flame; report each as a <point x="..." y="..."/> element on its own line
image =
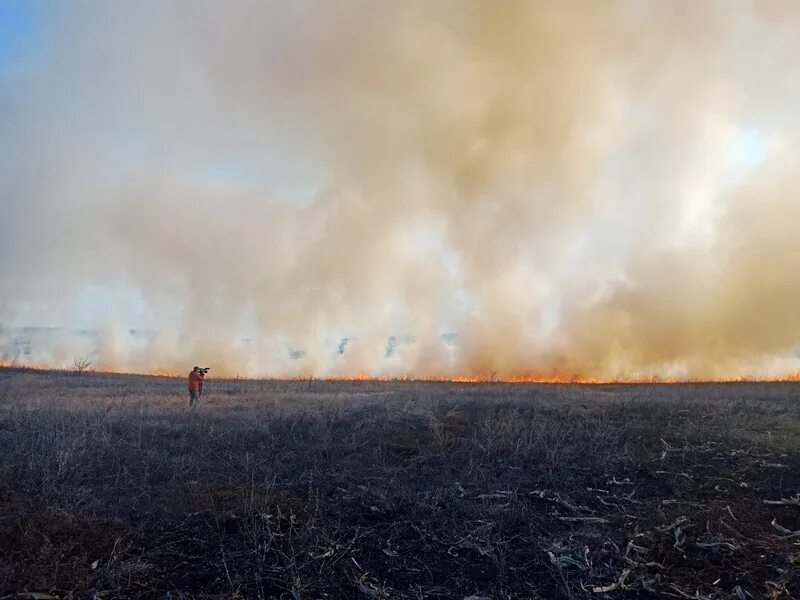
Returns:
<point x="364" y="377"/>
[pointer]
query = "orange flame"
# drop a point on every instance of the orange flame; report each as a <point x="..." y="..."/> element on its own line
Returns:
<point x="489" y="377"/>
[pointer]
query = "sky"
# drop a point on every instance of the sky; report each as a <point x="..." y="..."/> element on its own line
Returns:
<point x="18" y="34"/>
<point x="568" y="190"/>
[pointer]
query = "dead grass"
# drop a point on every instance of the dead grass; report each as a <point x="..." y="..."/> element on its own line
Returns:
<point x="110" y="488"/>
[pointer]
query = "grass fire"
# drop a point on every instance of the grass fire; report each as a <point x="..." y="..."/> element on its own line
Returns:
<point x="453" y="299"/>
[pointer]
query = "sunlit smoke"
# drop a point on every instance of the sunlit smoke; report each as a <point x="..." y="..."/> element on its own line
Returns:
<point x="525" y="190"/>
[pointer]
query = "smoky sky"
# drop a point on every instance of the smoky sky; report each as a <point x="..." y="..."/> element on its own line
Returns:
<point x="583" y="189"/>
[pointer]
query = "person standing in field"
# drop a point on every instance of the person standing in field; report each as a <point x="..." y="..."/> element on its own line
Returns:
<point x="195" y="384"/>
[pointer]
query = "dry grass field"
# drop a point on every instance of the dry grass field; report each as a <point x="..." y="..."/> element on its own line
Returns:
<point x="111" y="488"/>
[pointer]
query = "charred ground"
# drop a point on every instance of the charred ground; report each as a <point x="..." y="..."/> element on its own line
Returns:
<point x="110" y="488"/>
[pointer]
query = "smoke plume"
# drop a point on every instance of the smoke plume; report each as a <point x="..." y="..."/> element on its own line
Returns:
<point x="598" y="190"/>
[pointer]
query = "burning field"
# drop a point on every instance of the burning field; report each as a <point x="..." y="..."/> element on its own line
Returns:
<point x="111" y="488"/>
<point x="459" y="269"/>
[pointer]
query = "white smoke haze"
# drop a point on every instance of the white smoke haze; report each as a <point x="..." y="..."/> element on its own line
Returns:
<point x="595" y="190"/>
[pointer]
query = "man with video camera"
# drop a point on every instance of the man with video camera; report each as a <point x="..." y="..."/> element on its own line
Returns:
<point x="196" y="377"/>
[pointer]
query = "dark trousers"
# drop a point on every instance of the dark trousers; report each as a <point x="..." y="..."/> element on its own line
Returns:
<point x="194" y="397"/>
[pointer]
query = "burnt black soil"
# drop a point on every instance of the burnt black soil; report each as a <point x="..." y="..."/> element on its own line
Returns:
<point x="110" y="488"/>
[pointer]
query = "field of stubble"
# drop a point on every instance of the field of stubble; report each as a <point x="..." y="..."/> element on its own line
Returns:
<point x="111" y="488"/>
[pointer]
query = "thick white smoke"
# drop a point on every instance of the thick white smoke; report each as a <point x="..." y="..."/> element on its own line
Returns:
<point x="594" y="189"/>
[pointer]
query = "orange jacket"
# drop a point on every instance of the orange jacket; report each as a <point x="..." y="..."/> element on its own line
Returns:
<point x="195" y="379"/>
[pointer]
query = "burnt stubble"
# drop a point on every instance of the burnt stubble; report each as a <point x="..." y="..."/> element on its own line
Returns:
<point x="111" y="488"/>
